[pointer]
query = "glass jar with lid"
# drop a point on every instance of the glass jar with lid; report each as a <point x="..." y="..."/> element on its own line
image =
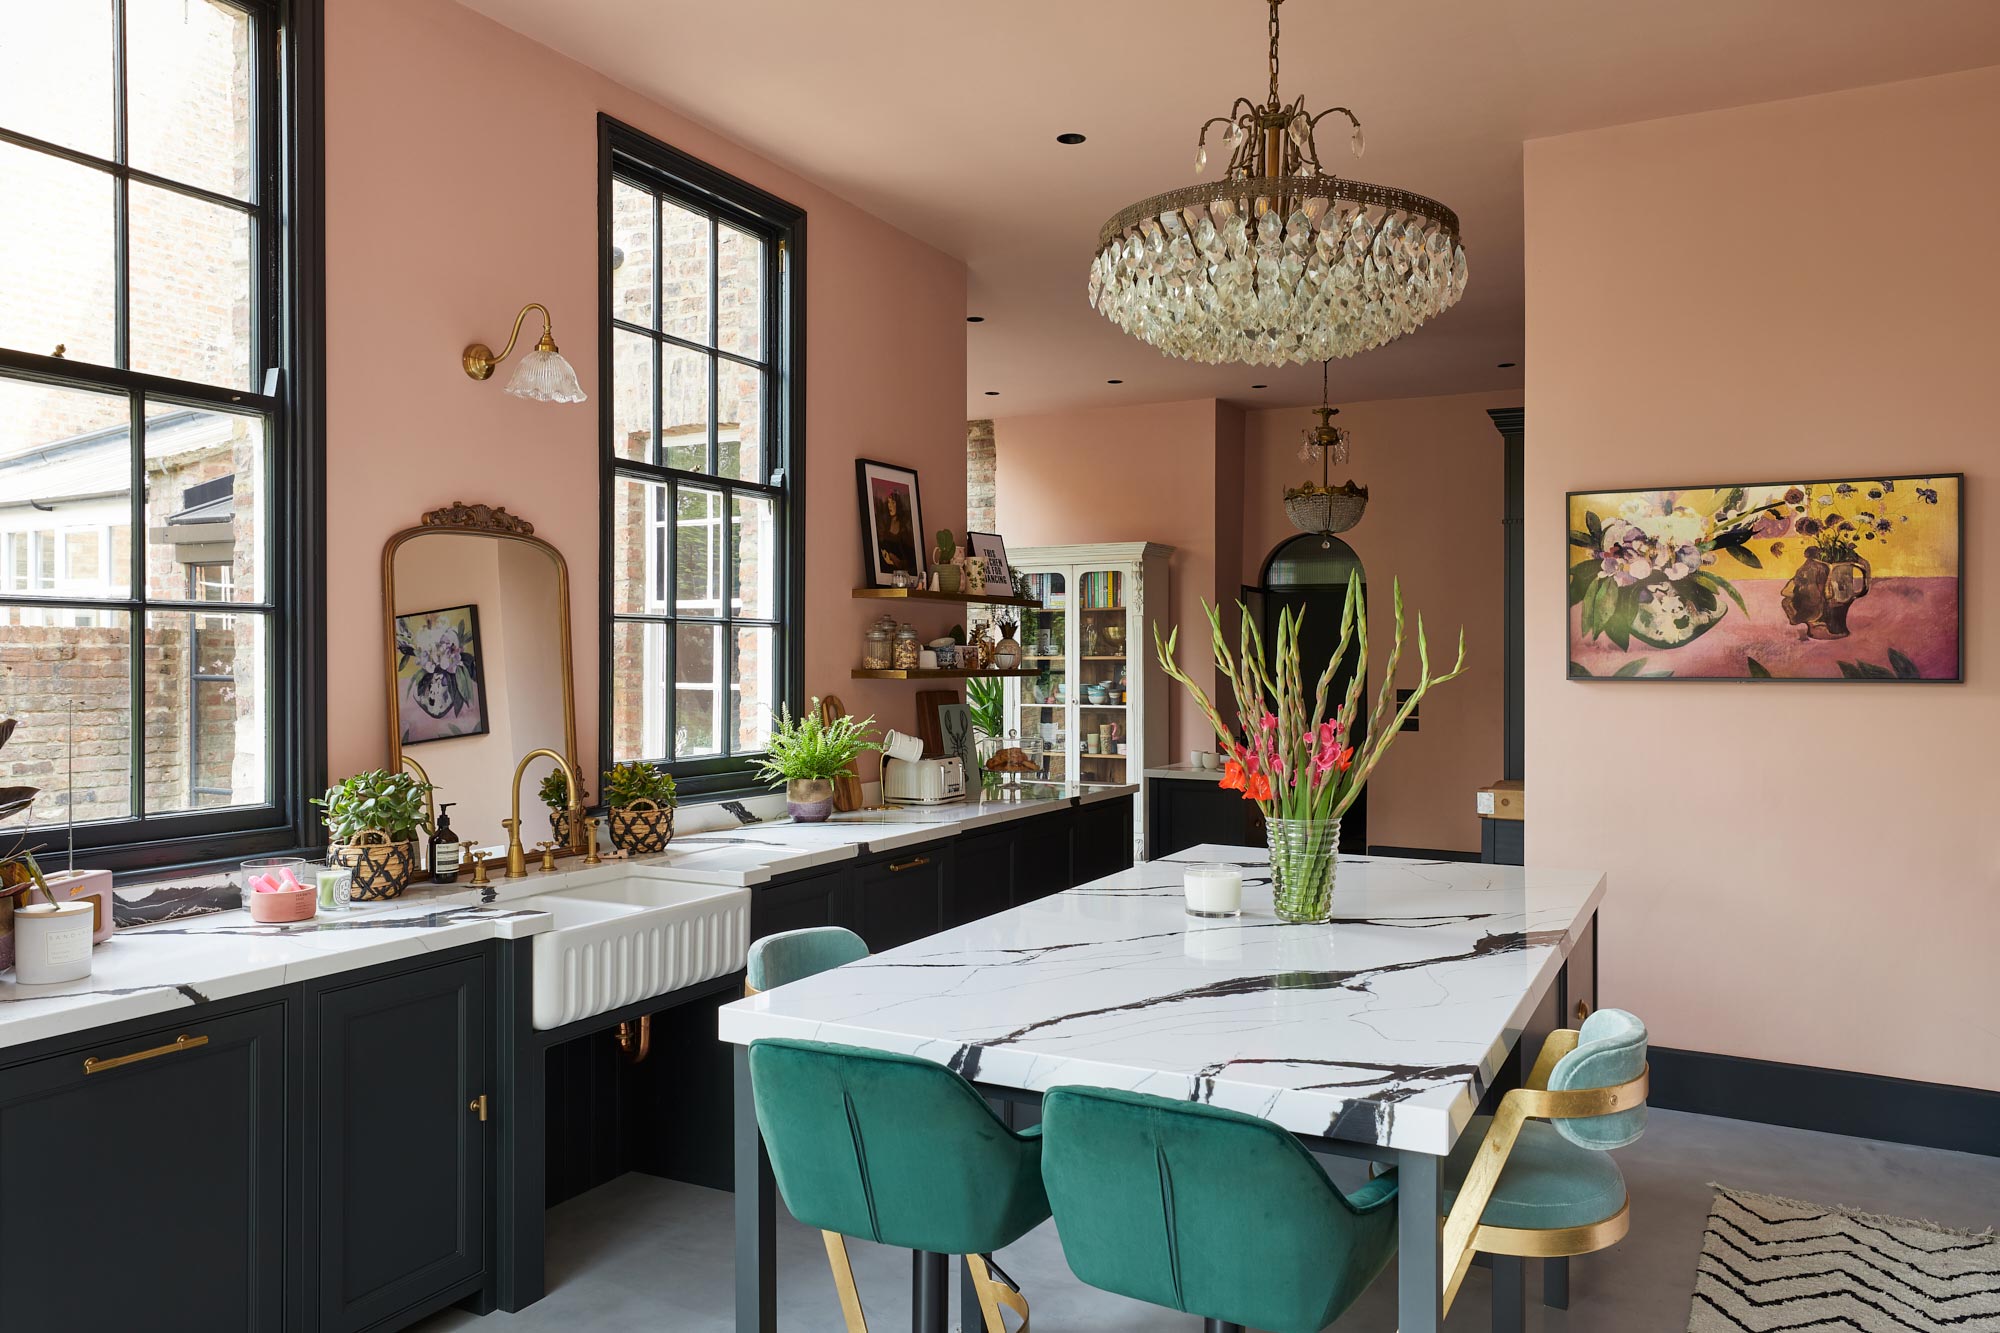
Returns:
<point x="906" y="648"/>
<point x="877" y="645"/>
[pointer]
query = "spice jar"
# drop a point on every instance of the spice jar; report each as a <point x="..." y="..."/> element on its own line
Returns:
<point x="906" y="648"/>
<point x="877" y="644"/>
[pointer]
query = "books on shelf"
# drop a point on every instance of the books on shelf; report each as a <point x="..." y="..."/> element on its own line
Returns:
<point x="1102" y="590"/>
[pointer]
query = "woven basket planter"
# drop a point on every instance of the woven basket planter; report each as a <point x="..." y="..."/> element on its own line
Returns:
<point x="642" y="828"/>
<point x="382" y="868"/>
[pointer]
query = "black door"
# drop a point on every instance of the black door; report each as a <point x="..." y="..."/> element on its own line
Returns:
<point x="900" y="898"/>
<point x="148" y="1194"/>
<point x="403" y="1062"/>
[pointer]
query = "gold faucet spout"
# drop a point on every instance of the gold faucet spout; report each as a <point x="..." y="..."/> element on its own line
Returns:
<point x="517" y="855"/>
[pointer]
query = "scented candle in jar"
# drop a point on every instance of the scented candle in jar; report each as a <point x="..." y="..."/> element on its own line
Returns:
<point x="1213" y="890"/>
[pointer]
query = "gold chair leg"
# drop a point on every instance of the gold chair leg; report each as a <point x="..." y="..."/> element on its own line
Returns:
<point x="993" y="1293"/>
<point x="843" y="1281"/>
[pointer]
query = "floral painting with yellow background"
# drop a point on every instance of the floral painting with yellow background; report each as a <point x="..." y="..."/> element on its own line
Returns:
<point x="1855" y="579"/>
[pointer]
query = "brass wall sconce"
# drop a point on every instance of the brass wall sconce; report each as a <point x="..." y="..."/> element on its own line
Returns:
<point x="543" y="374"/>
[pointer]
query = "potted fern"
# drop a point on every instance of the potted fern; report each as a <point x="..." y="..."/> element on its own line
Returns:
<point x="807" y="754"/>
<point x="372" y="823"/>
<point x="640" y="800"/>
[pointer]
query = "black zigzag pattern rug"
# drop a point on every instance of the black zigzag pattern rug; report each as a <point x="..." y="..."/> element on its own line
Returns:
<point x="1771" y="1265"/>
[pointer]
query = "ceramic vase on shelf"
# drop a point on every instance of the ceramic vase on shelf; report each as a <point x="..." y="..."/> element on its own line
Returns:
<point x="1304" y="857"/>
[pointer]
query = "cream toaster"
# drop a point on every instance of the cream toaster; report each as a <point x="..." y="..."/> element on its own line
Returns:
<point x="923" y="781"/>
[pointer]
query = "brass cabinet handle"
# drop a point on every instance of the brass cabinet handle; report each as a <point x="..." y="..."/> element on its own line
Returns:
<point x="910" y="864"/>
<point x="1582" y="1010"/>
<point x="93" y="1065"/>
<point x="478" y="1104"/>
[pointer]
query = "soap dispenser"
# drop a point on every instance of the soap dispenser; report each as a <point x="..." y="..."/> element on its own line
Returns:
<point x="445" y="848"/>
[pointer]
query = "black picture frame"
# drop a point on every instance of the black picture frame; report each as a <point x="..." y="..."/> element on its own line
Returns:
<point x="867" y="472"/>
<point x="1571" y="673"/>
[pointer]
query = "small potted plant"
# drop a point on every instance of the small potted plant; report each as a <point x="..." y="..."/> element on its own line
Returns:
<point x="944" y="561"/>
<point x="554" y="792"/>
<point x="372" y="823"/>
<point x="640" y="800"/>
<point x="807" y="754"/>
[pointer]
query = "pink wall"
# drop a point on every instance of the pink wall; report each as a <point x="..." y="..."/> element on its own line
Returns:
<point x="1432" y="468"/>
<point x="461" y="183"/>
<point x="1799" y="872"/>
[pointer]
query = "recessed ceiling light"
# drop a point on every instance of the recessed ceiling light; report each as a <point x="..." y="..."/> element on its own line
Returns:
<point x="1260" y="386"/>
<point x="1071" y="138"/>
<point x="1508" y="365"/>
<point x="1114" y="381"/>
<point x="992" y="393"/>
<point x="975" y="319"/>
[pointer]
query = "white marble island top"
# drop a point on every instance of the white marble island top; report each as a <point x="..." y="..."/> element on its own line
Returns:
<point x="1382" y="1027"/>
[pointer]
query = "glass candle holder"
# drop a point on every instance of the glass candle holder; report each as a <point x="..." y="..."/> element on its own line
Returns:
<point x="1213" y="890"/>
<point x="334" y="882"/>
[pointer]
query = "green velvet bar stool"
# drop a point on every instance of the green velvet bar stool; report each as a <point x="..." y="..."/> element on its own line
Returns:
<point x="1536" y="1179"/>
<point x="793" y="955"/>
<point x="900" y="1151"/>
<point x="1208" y="1212"/>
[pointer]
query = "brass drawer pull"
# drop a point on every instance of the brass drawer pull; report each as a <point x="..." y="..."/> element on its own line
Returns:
<point x="93" y="1065"/>
<point x="1582" y="1010"/>
<point x="478" y="1105"/>
<point x="910" y="864"/>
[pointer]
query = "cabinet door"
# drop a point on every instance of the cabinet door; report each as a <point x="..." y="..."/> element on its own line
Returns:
<point x="1102" y="685"/>
<point x="401" y="1063"/>
<point x="900" y="898"/>
<point x="1042" y="856"/>
<point x="167" y="1173"/>
<point x="1040" y="714"/>
<point x="982" y="877"/>
<point x="816" y="900"/>
<point x="1103" y="839"/>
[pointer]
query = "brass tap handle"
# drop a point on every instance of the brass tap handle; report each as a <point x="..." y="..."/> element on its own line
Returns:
<point x="548" y="851"/>
<point x="517" y="855"/>
<point x="479" y="878"/>
<point x="590" y="856"/>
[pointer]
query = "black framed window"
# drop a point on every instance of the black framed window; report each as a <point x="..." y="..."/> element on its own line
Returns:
<point x="704" y="525"/>
<point x="159" y="467"/>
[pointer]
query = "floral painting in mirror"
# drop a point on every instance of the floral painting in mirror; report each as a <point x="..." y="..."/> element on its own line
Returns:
<point x="1852" y="579"/>
<point x="440" y="683"/>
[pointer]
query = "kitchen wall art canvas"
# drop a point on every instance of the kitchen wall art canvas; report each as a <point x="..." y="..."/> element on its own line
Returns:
<point x="1854" y="579"/>
<point x="440" y="686"/>
<point x="892" y="521"/>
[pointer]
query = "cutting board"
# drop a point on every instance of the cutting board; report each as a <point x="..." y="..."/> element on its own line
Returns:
<point x="847" y="790"/>
<point x="929" y="729"/>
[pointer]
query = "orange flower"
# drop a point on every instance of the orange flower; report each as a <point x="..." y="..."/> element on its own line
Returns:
<point x="1233" y="776"/>
<point x="1258" y="788"/>
<point x="1346" y="760"/>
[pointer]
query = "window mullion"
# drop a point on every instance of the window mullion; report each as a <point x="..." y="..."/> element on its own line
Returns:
<point x="714" y="341"/>
<point x="135" y="626"/>
<point x="670" y="595"/>
<point x="726" y="650"/>
<point x="121" y="195"/>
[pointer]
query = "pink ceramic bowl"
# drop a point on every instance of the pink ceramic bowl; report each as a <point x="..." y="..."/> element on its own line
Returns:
<point x="285" y="905"/>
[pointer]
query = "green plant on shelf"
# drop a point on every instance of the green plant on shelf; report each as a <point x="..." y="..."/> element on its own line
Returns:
<point x="635" y="781"/>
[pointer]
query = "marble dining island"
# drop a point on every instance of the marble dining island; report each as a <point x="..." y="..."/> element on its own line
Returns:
<point x="1374" y="1035"/>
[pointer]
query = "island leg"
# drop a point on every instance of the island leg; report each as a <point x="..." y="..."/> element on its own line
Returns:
<point x="1420" y="1243"/>
<point x="756" y="1215"/>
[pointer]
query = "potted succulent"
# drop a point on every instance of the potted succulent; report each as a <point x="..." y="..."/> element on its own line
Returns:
<point x="640" y="800"/>
<point x="372" y="823"/>
<point x="554" y="792"/>
<point x="807" y="754"/>
<point x="944" y="561"/>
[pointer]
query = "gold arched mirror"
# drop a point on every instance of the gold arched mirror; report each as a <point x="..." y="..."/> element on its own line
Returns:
<point x="475" y="615"/>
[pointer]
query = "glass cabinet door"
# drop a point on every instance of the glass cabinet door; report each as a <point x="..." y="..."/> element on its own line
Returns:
<point x="1040" y="712"/>
<point x="1099" y="687"/>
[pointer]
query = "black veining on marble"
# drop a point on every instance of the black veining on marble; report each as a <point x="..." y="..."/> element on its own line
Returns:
<point x="169" y="902"/>
<point x="192" y="995"/>
<point x="743" y="815"/>
<point x="428" y="921"/>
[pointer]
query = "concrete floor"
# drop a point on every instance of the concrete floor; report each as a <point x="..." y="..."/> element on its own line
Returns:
<point x="644" y="1254"/>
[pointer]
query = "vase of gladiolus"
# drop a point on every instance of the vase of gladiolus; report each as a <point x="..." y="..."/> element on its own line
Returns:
<point x="1304" y="758"/>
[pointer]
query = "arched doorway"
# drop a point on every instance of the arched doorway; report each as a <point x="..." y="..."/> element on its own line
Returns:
<point x="1308" y="574"/>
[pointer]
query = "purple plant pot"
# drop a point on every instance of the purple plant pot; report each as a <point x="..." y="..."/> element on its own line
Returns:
<point x="809" y="800"/>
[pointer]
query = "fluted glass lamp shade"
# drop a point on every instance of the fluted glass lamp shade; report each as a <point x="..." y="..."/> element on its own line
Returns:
<point x="546" y="377"/>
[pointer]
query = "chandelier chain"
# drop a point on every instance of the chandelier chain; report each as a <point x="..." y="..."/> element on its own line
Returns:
<point x="1274" y="53"/>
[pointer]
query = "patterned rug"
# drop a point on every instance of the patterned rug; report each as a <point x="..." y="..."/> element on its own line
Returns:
<point x="1770" y="1265"/>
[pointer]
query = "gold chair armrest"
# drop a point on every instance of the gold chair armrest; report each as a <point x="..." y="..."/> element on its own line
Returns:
<point x="1559" y="1043"/>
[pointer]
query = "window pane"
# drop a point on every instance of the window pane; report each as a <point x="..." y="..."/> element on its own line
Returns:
<point x="684" y="408"/>
<point x="52" y="657"/>
<point x="190" y="303"/>
<point x="701" y="675"/>
<point x="65" y="491"/>
<point x="188" y="84"/>
<point x="632" y="254"/>
<point x="638" y="690"/>
<point x="57" y="257"/>
<point x="207" y="739"/>
<point x="739" y="292"/>
<point x="55" y="72"/>
<point x="698" y="553"/>
<point x="684" y="272"/>
<point x="632" y="396"/>
<point x="755" y="688"/>
<point x="638" y="548"/>
<point x="204" y="502"/>
<point x="739" y="424"/>
<point x="755" y="550"/>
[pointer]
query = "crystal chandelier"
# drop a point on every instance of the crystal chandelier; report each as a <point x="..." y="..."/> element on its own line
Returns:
<point x="1325" y="508"/>
<point x="1279" y="261"/>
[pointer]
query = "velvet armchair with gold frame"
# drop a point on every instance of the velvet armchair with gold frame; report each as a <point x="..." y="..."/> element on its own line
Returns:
<point x="1537" y="1181"/>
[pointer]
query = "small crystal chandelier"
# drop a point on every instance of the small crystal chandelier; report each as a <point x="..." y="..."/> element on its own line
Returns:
<point x="1325" y="508"/>
<point x="1279" y="261"/>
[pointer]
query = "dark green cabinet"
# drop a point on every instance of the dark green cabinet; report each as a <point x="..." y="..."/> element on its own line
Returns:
<point x="1043" y="852"/>
<point x="164" y="1159"/>
<point x="1103" y="840"/>
<point x="400" y="1081"/>
<point x="818" y="898"/>
<point x="982" y="878"/>
<point x="900" y="897"/>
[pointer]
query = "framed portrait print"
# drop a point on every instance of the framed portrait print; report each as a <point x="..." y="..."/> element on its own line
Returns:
<point x="440" y="687"/>
<point x="892" y="521"/>
<point x="999" y="578"/>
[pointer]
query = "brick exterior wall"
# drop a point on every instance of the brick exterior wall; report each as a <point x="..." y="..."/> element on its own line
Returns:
<point x="980" y="500"/>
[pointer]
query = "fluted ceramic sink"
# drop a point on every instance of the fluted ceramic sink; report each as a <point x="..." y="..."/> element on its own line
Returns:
<point x="623" y="940"/>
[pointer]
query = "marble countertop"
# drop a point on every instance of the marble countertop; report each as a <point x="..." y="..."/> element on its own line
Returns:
<point x="1185" y="772"/>
<point x="177" y="963"/>
<point x="1382" y="1027"/>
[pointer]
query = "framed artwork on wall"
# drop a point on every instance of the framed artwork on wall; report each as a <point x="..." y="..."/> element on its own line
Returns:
<point x="999" y="579"/>
<point x="1857" y="578"/>
<point x="440" y="688"/>
<point x="892" y="521"/>
<point x="955" y="733"/>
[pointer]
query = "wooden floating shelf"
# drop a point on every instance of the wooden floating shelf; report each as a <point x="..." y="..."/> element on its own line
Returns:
<point x="935" y="673"/>
<point x="962" y="598"/>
